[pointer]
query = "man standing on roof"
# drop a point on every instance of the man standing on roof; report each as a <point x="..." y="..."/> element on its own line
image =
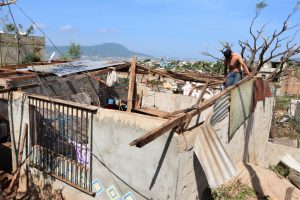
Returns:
<point x="234" y="62"/>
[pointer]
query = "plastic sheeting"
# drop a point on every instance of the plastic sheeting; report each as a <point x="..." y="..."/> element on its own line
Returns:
<point x="241" y="106"/>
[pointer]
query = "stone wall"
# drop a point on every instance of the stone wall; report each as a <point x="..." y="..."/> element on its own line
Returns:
<point x="14" y="50"/>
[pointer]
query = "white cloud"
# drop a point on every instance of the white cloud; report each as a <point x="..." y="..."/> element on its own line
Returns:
<point x="66" y="28"/>
<point x="107" y="31"/>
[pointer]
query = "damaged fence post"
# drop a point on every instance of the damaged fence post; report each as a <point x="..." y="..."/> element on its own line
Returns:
<point x="130" y="98"/>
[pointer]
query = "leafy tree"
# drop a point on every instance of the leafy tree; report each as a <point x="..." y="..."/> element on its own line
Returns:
<point x="10" y="28"/>
<point x="74" y="51"/>
<point x="30" y="30"/>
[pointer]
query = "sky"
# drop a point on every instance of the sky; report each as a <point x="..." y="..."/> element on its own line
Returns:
<point x="169" y="28"/>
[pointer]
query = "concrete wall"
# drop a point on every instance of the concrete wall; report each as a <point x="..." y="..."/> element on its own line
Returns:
<point x="290" y="85"/>
<point x="168" y="102"/>
<point x="149" y="172"/>
<point x="13" y="51"/>
<point x="250" y="140"/>
<point x="274" y="152"/>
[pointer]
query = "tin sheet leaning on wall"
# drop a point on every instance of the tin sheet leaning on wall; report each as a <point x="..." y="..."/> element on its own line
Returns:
<point x="241" y="106"/>
<point x="212" y="156"/>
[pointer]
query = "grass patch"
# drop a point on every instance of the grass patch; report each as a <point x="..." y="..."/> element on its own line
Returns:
<point x="280" y="169"/>
<point x="237" y="191"/>
<point x="283" y="102"/>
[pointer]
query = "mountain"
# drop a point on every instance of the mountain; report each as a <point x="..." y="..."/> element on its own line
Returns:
<point x="102" y="50"/>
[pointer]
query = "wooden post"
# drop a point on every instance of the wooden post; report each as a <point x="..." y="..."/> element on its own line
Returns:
<point x="197" y="104"/>
<point x="22" y="144"/>
<point x="15" y="178"/>
<point x="130" y="98"/>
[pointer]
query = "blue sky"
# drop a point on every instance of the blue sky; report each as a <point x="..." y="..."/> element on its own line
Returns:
<point x="175" y="28"/>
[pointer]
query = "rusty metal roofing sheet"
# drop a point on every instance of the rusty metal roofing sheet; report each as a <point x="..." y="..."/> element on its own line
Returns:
<point x="212" y="156"/>
<point x="241" y="106"/>
<point x="63" y="69"/>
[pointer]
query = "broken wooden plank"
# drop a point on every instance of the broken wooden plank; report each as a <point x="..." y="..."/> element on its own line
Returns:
<point x="197" y="103"/>
<point x="22" y="144"/>
<point x="16" y="175"/>
<point x="152" y="135"/>
<point x="98" y="79"/>
<point x="160" y="73"/>
<point x="182" y="117"/>
<point x="289" y="193"/>
<point x="19" y="88"/>
<point x="202" y="93"/>
<point x="153" y="112"/>
<point x="130" y="97"/>
<point x="138" y="101"/>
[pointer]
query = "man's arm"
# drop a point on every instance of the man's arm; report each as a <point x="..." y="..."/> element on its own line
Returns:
<point x="245" y="67"/>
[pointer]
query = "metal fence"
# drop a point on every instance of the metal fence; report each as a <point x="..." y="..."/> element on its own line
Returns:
<point x="61" y="141"/>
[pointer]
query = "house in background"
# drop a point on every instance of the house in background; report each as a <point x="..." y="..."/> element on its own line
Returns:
<point x="268" y="68"/>
<point x="290" y="83"/>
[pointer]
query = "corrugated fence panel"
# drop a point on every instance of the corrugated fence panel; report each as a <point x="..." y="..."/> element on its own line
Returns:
<point x="211" y="154"/>
<point x="241" y="105"/>
<point x="220" y="110"/>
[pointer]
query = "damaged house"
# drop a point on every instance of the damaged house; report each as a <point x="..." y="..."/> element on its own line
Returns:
<point x="100" y="130"/>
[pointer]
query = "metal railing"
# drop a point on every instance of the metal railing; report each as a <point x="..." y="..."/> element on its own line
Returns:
<point x="61" y="141"/>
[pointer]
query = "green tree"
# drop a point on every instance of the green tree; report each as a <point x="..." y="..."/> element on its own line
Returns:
<point x="30" y="30"/>
<point x="74" y="51"/>
<point x="10" y="28"/>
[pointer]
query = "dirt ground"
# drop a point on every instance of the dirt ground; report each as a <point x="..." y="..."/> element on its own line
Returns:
<point x="266" y="182"/>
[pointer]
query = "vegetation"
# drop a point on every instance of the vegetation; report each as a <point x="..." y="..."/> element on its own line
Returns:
<point x="237" y="191"/>
<point x="11" y="28"/>
<point x="29" y="58"/>
<point x="280" y="169"/>
<point x="73" y="52"/>
<point x="283" y="102"/>
<point x="297" y="73"/>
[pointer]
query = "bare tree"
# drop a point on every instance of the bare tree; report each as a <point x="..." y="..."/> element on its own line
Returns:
<point x="280" y="45"/>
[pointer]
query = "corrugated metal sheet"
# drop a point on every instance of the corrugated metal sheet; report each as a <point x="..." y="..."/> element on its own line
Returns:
<point x="241" y="106"/>
<point x="213" y="158"/>
<point x="289" y="161"/>
<point x="220" y="109"/>
<point x="63" y="69"/>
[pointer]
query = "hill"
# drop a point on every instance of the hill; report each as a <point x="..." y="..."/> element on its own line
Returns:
<point x="102" y="50"/>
